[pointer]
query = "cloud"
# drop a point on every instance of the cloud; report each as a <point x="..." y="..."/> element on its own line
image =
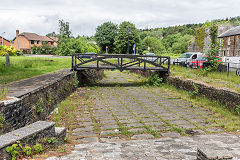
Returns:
<point x="41" y="16"/>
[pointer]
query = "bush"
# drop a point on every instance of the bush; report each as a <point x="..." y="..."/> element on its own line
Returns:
<point x="44" y="49"/>
<point x="7" y="49"/>
<point x="155" y="81"/>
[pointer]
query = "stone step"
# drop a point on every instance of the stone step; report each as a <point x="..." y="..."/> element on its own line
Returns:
<point x="30" y="134"/>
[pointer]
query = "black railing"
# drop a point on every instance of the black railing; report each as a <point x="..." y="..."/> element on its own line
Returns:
<point x="120" y="62"/>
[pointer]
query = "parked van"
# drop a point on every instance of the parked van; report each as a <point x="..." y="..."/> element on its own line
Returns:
<point x="150" y="57"/>
<point x="187" y="57"/>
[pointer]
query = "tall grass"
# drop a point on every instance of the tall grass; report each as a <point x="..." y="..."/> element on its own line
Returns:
<point x="25" y="67"/>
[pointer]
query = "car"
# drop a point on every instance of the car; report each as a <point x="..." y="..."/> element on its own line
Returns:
<point x="185" y="58"/>
<point x="89" y="55"/>
<point x="150" y="56"/>
<point x="199" y="62"/>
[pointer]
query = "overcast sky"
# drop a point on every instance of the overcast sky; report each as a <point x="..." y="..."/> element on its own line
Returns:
<point x="41" y="16"/>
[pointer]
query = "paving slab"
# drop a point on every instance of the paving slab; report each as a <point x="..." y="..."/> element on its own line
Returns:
<point x="127" y="108"/>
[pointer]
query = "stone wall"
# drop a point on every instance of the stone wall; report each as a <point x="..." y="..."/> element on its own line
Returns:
<point x="89" y="76"/>
<point x="35" y="105"/>
<point x="38" y="104"/>
<point x="225" y="97"/>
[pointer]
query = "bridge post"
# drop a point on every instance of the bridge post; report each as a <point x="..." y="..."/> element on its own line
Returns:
<point x="72" y="61"/>
<point x="169" y="63"/>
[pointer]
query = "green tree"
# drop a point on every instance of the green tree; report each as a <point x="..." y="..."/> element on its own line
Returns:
<point x="121" y="41"/>
<point x="64" y="29"/>
<point x="155" y="45"/>
<point x="170" y="40"/>
<point x="157" y="34"/>
<point x="53" y="34"/>
<point x="181" y="45"/>
<point x="105" y="35"/>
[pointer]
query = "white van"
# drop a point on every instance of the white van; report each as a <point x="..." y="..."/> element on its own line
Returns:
<point x="150" y="57"/>
<point x="185" y="58"/>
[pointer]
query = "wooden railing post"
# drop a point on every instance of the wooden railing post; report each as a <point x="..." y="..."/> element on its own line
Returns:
<point x="72" y="61"/>
<point x="169" y="64"/>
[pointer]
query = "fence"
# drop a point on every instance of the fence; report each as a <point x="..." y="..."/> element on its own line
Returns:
<point x="223" y="67"/>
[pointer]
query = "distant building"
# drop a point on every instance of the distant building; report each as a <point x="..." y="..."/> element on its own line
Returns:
<point x="4" y="41"/>
<point x="25" y="41"/>
<point x="230" y="41"/>
<point x="193" y="47"/>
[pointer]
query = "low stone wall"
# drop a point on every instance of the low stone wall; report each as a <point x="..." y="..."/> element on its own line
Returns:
<point x="225" y="97"/>
<point x="35" y="105"/>
<point x="39" y="103"/>
<point x="26" y="135"/>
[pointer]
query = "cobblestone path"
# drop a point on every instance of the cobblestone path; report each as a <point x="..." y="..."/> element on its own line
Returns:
<point x="124" y="120"/>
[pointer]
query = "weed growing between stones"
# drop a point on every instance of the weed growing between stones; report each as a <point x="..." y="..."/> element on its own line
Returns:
<point x="194" y="93"/>
<point x="2" y="120"/>
<point x="75" y="80"/>
<point x="49" y="98"/>
<point x="39" y="106"/>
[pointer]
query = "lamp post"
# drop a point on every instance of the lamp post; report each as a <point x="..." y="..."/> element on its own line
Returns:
<point x="2" y="37"/>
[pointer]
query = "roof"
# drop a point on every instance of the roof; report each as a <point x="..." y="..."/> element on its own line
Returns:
<point x="35" y="37"/>
<point x="4" y="38"/>
<point x="231" y="32"/>
<point x="54" y="38"/>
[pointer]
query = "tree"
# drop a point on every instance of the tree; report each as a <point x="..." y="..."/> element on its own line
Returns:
<point x="155" y="45"/>
<point x="105" y="35"/>
<point x="126" y="31"/>
<point x="53" y="34"/>
<point x="181" y="45"/>
<point x="64" y="29"/>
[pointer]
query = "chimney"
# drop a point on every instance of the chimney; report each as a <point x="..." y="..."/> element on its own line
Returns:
<point x="17" y="33"/>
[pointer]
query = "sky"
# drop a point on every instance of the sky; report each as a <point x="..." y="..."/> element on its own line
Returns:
<point x="42" y="16"/>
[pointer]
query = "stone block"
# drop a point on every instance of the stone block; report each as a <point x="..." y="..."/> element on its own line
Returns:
<point x="206" y="153"/>
<point x="60" y="133"/>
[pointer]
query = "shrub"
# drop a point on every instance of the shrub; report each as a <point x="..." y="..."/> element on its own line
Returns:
<point x="155" y="81"/>
<point x="7" y="49"/>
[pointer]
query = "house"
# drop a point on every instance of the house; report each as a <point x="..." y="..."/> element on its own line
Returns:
<point x="194" y="47"/>
<point x="230" y="42"/>
<point x="4" y="41"/>
<point x="25" y="41"/>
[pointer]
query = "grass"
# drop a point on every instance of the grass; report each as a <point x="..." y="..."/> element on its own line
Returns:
<point x="3" y="93"/>
<point x="25" y="67"/>
<point x="216" y="79"/>
<point x="67" y="112"/>
<point x="224" y="117"/>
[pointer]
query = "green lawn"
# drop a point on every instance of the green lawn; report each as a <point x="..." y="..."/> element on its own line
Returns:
<point x="24" y="67"/>
<point x="217" y="79"/>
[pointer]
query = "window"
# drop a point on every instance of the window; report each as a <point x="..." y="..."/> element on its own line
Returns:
<point x="51" y="43"/>
<point x="37" y="42"/>
<point x="223" y="53"/>
<point x="229" y="41"/>
<point x="32" y="42"/>
<point x="227" y="52"/>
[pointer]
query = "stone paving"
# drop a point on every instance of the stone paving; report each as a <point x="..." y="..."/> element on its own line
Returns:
<point x="123" y="120"/>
